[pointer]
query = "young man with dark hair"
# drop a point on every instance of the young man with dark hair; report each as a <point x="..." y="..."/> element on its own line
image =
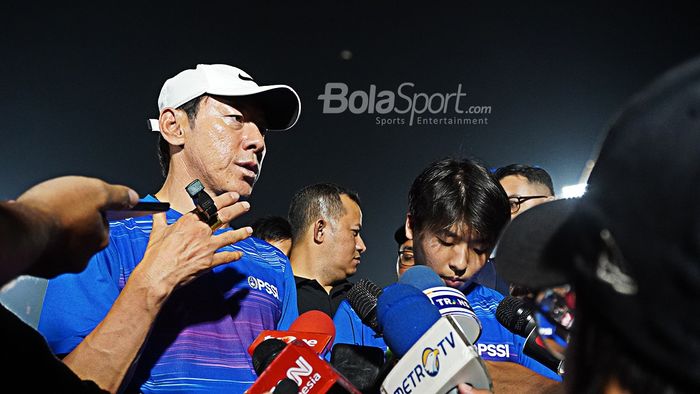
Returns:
<point x="456" y="211"/>
<point x="274" y="230"/>
<point x="326" y="221"/>
<point x="213" y="119"/>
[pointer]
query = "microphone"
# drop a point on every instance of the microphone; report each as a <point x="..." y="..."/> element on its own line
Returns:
<point x="515" y="315"/>
<point x="274" y="360"/>
<point x="361" y="365"/>
<point x="314" y="328"/>
<point x="449" y="301"/>
<point x="435" y="353"/>
<point x="404" y="313"/>
<point x="286" y="386"/>
<point x="362" y="297"/>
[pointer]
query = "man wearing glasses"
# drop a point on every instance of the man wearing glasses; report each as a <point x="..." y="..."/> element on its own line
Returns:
<point x="405" y="259"/>
<point x="526" y="186"/>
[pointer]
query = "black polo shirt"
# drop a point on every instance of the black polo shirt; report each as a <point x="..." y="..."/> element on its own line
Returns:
<point x="312" y="296"/>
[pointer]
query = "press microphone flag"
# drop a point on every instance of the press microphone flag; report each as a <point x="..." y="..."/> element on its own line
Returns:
<point x="298" y="362"/>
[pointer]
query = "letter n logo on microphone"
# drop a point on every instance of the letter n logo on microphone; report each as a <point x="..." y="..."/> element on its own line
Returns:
<point x="302" y="369"/>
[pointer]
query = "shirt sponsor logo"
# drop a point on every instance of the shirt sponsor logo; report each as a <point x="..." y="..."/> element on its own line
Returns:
<point x="500" y="350"/>
<point x="259" y="284"/>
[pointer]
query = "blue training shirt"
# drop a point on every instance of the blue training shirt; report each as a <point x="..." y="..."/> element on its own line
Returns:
<point x="496" y="342"/>
<point x="199" y="341"/>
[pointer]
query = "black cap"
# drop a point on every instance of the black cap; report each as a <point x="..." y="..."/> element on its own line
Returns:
<point x="631" y="244"/>
<point x="522" y="249"/>
<point x="400" y="234"/>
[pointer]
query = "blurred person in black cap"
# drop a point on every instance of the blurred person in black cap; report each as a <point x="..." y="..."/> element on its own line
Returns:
<point x="274" y="230"/>
<point x="629" y="249"/>
<point x="405" y="259"/>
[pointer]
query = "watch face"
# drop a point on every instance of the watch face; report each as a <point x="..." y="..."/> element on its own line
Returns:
<point x="194" y="188"/>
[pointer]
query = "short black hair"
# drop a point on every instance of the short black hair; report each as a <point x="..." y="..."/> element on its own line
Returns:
<point x="532" y="173"/>
<point x="452" y="191"/>
<point x="191" y="108"/>
<point x="272" y="228"/>
<point x="315" y="201"/>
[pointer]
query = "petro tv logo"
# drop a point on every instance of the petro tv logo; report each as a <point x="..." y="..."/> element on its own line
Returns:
<point x="404" y="106"/>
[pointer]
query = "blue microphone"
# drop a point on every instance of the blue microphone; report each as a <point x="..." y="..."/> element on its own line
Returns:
<point x="404" y="314"/>
<point x="449" y="301"/>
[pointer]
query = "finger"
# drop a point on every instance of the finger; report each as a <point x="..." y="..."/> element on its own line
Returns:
<point x="159" y="221"/>
<point x="226" y="199"/>
<point x="229" y="213"/>
<point x="231" y="237"/>
<point x="226" y="257"/>
<point x="119" y="197"/>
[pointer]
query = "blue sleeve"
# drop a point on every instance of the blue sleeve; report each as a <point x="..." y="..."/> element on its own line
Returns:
<point x="75" y="304"/>
<point x="290" y="311"/>
<point x="350" y="329"/>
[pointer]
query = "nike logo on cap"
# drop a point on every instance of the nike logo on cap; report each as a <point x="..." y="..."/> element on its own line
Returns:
<point x="245" y="77"/>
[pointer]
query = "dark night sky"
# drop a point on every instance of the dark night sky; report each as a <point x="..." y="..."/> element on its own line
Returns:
<point x="78" y="83"/>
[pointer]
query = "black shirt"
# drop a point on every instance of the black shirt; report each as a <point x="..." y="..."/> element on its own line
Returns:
<point x="30" y="364"/>
<point x="311" y="295"/>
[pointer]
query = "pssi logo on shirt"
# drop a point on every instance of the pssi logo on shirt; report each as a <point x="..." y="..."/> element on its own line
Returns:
<point x="496" y="350"/>
<point x="259" y="284"/>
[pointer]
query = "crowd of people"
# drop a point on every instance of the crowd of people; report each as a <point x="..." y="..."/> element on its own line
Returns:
<point x="171" y="302"/>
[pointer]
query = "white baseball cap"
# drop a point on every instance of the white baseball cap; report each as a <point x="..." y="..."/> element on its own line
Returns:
<point x="280" y="103"/>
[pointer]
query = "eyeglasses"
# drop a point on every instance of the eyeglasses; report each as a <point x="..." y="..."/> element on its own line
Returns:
<point x="406" y="258"/>
<point x="515" y="202"/>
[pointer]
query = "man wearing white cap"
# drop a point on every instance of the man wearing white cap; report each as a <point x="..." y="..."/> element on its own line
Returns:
<point x="212" y="127"/>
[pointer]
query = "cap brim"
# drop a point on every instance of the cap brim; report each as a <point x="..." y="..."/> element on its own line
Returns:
<point x="280" y="104"/>
<point x="524" y="250"/>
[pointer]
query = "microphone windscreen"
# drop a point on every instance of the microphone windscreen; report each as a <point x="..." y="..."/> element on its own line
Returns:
<point x="515" y="315"/>
<point x="362" y="297"/>
<point x="314" y="321"/>
<point x="404" y="315"/>
<point x="265" y="353"/>
<point x="421" y="277"/>
<point x="360" y="364"/>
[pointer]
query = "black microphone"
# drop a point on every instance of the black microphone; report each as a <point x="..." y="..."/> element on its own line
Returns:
<point x="514" y="314"/>
<point x="361" y="365"/>
<point x="363" y="299"/>
<point x="286" y="386"/>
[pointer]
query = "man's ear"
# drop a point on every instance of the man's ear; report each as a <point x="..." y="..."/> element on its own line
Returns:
<point x="408" y="227"/>
<point x="320" y="227"/>
<point x="171" y="124"/>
